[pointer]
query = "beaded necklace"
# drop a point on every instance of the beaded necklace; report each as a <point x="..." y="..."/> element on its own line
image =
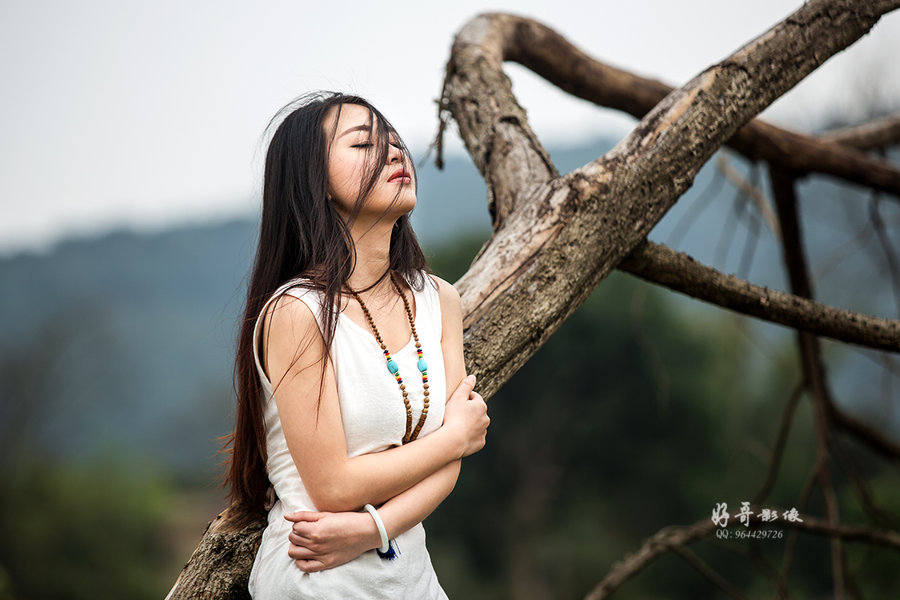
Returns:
<point x="392" y="366"/>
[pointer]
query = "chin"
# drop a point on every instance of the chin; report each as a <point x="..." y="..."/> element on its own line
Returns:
<point x="401" y="205"/>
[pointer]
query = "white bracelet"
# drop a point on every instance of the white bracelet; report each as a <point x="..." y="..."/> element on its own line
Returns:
<point x="385" y="544"/>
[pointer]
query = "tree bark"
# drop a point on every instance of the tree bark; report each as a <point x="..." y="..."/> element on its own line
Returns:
<point x="220" y="566"/>
<point x="555" y="238"/>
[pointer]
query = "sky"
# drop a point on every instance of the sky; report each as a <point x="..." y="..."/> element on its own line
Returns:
<point x="146" y="114"/>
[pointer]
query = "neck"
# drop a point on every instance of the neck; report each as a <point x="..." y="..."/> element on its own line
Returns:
<point x="373" y="244"/>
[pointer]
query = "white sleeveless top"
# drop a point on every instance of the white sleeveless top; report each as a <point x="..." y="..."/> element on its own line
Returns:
<point x="374" y="419"/>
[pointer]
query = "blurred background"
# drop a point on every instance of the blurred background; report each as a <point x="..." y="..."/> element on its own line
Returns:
<point x="129" y="182"/>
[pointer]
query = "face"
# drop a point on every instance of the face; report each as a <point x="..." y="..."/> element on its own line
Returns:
<point x="350" y="163"/>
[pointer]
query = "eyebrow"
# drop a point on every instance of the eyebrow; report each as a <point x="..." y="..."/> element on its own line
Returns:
<point x="357" y="128"/>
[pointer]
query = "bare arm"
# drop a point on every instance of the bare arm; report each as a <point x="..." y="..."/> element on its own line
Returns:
<point x="314" y="431"/>
<point x="325" y="540"/>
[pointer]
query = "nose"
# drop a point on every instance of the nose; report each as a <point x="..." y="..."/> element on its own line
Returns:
<point x="394" y="154"/>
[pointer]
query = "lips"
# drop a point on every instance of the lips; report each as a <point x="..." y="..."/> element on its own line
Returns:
<point x="400" y="176"/>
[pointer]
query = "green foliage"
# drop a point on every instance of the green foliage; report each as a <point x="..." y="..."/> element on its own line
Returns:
<point x="94" y="531"/>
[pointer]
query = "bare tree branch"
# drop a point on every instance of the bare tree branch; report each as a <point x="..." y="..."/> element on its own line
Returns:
<point x="881" y="537"/>
<point x="783" y="189"/>
<point x="888" y="448"/>
<point x="678" y="271"/>
<point x="880" y="133"/>
<point x="557" y="60"/>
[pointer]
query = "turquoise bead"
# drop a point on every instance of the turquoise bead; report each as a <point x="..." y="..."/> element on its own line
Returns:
<point x="392" y="366"/>
<point x="423" y="366"/>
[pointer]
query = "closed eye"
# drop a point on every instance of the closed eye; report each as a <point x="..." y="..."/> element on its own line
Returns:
<point x="363" y="145"/>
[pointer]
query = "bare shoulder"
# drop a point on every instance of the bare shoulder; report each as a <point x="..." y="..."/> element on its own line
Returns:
<point x="290" y="330"/>
<point x="451" y="310"/>
<point x="448" y="295"/>
<point x="289" y="315"/>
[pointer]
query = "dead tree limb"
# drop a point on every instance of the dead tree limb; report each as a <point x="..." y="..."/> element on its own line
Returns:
<point x="660" y="264"/>
<point x="555" y="237"/>
<point x="880" y="133"/>
<point x="220" y="566"/>
<point x="557" y="60"/>
<point x="784" y="191"/>
<point x="881" y="537"/>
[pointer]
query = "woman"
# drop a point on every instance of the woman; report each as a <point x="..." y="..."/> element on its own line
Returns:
<point x="344" y="340"/>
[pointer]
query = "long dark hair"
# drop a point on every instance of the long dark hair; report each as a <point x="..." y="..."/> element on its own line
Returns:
<point x="302" y="236"/>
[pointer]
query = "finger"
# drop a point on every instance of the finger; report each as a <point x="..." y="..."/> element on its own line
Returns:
<point x="310" y="566"/>
<point x="306" y="535"/>
<point x="300" y="552"/>
<point x="304" y="538"/>
<point x="465" y="387"/>
<point x="303" y="515"/>
<point x="300" y="539"/>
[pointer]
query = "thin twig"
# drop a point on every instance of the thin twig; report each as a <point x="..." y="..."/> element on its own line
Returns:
<point x="842" y="252"/>
<point x="750" y="190"/>
<point x="787" y="415"/>
<point x="791" y="540"/>
<point x="727" y="234"/>
<point x="848" y="466"/>
<point x="654" y="546"/>
<point x="708" y="572"/>
<point x="689" y="217"/>
<point x="890" y="255"/>
<point x="873" y="438"/>
<point x="750" y="244"/>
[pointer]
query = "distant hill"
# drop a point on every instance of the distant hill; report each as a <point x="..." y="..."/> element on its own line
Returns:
<point x="125" y="341"/>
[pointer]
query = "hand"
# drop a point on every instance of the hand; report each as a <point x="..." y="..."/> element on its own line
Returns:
<point x="321" y="540"/>
<point x="466" y="413"/>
